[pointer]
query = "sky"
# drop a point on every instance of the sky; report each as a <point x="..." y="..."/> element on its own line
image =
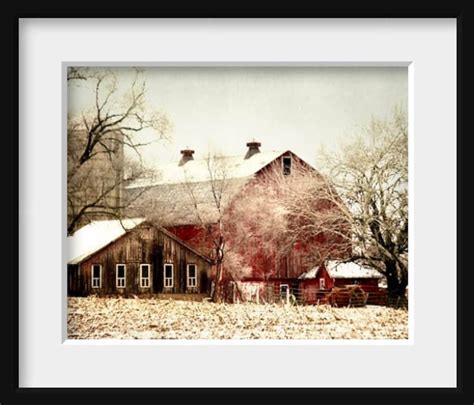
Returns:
<point x="220" y="109"/>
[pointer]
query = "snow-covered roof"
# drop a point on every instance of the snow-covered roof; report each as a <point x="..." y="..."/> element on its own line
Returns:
<point x="185" y="204"/>
<point x="94" y="236"/>
<point x="338" y="269"/>
<point x="350" y="270"/>
<point x="310" y="273"/>
<point x="197" y="170"/>
<point x="184" y="195"/>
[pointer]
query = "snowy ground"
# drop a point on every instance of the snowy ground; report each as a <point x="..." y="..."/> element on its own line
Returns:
<point x="118" y="318"/>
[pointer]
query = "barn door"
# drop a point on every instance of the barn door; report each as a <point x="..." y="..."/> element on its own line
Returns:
<point x="157" y="269"/>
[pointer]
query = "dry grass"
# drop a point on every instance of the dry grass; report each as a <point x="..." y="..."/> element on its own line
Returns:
<point x="150" y="318"/>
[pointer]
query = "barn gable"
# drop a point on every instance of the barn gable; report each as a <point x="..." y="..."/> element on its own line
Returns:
<point x="338" y="273"/>
<point x="182" y="190"/>
<point x="318" y="277"/>
<point x="142" y="259"/>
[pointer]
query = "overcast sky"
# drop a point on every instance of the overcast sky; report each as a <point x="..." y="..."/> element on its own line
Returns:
<point x="219" y="109"/>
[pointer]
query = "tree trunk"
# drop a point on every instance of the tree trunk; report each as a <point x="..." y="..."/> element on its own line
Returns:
<point x="396" y="283"/>
<point x="218" y="291"/>
<point x="217" y="294"/>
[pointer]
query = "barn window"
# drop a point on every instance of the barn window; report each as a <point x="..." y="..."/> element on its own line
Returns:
<point x="144" y="275"/>
<point x="168" y="275"/>
<point x="191" y="275"/>
<point x="284" y="292"/>
<point x="120" y="271"/>
<point x="96" y="275"/>
<point x="322" y="283"/>
<point x="286" y="165"/>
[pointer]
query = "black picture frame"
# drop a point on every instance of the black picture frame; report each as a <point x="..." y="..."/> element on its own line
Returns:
<point x="11" y="393"/>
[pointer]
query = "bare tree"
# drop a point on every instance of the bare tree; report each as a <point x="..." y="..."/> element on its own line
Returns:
<point x="95" y="191"/>
<point x="288" y="214"/>
<point x="371" y="175"/>
<point x="357" y="210"/>
<point x="210" y="213"/>
<point x="272" y="214"/>
<point x="78" y="73"/>
<point x="99" y="141"/>
<point x="202" y="203"/>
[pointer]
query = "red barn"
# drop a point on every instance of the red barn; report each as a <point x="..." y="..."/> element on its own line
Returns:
<point x="183" y="198"/>
<point x="316" y="282"/>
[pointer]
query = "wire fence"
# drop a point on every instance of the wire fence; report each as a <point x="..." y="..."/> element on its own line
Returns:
<point x="342" y="296"/>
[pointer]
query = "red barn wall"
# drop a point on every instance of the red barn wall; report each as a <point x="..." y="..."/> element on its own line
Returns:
<point x="304" y="255"/>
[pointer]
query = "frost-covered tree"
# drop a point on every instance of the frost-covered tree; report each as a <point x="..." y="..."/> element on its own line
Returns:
<point x="355" y="209"/>
<point x="299" y="213"/>
<point x="370" y="173"/>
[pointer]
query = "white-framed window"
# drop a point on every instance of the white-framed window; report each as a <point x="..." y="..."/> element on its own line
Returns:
<point x="168" y="275"/>
<point x="286" y="165"/>
<point x="120" y="275"/>
<point x="284" y="292"/>
<point x="191" y="275"/>
<point x="322" y="283"/>
<point x="145" y="275"/>
<point x="96" y="274"/>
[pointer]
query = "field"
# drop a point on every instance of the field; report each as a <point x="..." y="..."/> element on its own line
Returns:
<point x="151" y="318"/>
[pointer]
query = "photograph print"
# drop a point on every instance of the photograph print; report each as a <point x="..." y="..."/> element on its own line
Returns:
<point x="237" y="203"/>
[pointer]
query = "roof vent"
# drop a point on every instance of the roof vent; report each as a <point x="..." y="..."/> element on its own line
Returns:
<point x="187" y="155"/>
<point x="253" y="148"/>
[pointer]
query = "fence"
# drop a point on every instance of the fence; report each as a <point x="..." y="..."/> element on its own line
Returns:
<point x="344" y="296"/>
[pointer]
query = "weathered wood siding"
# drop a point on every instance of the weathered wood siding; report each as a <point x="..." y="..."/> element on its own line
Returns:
<point x="74" y="280"/>
<point x="143" y="245"/>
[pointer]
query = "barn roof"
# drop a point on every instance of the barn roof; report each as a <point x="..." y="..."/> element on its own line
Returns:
<point x="98" y="234"/>
<point x="186" y="204"/>
<point x="94" y="236"/>
<point x="184" y="195"/>
<point x="338" y="269"/>
<point x="197" y="170"/>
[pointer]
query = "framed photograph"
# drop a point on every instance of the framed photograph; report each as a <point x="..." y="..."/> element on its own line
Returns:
<point x="236" y="205"/>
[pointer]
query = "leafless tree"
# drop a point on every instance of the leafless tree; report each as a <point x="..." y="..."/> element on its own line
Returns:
<point x="99" y="141"/>
<point x="209" y="208"/>
<point x="357" y="209"/>
<point x="78" y="73"/>
<point x="185" y="201"/>
<point x="283" y="214"/>
<point x="267" y="215"/>
<point x="371" y="175"/>
<point x="95" y="191"/>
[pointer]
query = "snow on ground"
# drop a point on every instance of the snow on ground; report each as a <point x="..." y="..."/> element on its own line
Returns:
<point x="152" y="318"/>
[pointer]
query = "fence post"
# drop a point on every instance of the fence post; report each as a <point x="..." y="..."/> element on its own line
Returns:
<point x="212" y="288"/>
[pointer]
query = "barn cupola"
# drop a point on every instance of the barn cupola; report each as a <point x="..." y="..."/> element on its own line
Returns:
<point x="186" y="156"/>
<point x="253" y="148"/>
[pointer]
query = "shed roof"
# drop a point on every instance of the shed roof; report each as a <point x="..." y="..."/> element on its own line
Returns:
<point x="94" y="236"/>
<point x="339" y="269"/>
<point x="98" y="234"/>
